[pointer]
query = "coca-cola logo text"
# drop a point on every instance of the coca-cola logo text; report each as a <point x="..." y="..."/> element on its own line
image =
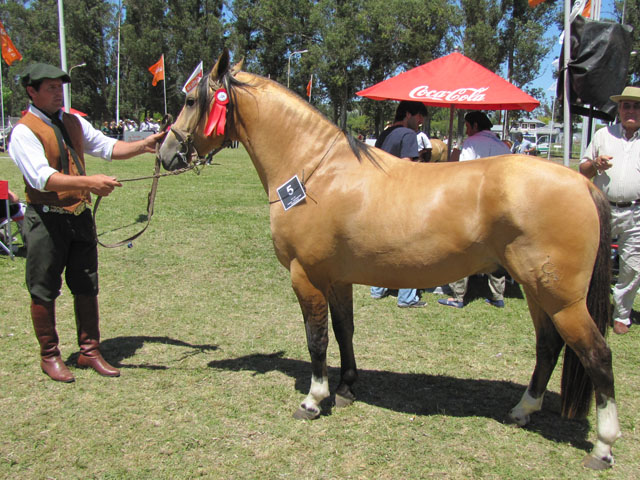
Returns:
<point x="458" y="95"/>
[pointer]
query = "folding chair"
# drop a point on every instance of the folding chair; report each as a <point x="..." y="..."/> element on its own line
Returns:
<point x="5" y="225"/>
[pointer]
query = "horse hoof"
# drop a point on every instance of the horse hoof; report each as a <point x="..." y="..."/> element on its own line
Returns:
<point x="342" y="402"/>
<point x="517" y="421"/>
<point x="595" y="463"/>
<point x="305" y="414"/>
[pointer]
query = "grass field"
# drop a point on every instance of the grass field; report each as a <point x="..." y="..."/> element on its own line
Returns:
<point x="202" y="321"/>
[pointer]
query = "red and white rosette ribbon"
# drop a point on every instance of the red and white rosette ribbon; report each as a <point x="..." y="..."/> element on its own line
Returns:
<point x="218" y="114"/>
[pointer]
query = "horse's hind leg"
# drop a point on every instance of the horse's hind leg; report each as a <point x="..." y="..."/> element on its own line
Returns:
<point x="548" y="347"/>
<point x="315" y="313"/>
<point x="341" y="305"/>
<point x="583" y="337"/>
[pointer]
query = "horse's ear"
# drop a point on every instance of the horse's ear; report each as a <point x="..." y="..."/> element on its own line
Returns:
<point x="220" y="68"/>
<point x="237" y="67"/>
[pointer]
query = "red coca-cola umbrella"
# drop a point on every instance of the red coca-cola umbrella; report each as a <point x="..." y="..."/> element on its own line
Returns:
<point x="453" y="81"/>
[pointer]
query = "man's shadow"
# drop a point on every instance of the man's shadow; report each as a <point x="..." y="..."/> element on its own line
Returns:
<point x="116" y="350"/>
<point x="426" y="395"/>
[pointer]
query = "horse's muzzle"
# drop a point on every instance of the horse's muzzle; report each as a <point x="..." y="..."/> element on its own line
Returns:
<point x="175" y="151"/>
<point x="177" y="161"/>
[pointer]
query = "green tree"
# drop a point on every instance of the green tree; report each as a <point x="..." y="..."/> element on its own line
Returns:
<point x="34" y="32"/>
<point x="184" y="31"/>
<point x="89" y="27"/>
<point x="266" y="32"/>
<point x="195" y="33"/>
<point x="34" y="28"/>
<point x="336" y="54"/>
<point x="400" y="35"/>
<point x="506" y="36"/>
<point x="143" y="40"/>
<point x="631" y="11"/>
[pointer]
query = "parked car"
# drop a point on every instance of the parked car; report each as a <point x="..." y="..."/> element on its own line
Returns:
<point x="542" y="146"/>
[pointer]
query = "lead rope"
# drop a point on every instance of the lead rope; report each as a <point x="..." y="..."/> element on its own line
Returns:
<point x="166" y="123"/>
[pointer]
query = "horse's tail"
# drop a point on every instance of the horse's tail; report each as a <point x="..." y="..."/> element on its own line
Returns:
<point x="576" y="386"/>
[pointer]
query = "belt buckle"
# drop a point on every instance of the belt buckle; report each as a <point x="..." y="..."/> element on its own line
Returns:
<point x="80" y="208"/>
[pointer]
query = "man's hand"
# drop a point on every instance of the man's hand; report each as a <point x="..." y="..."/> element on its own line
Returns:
<point x="598" y="165"/>
<point x="123" y="150"/>
<point x="602" y="163"/>
<point x="149" y="143"/>
<point x="102" y="185"/>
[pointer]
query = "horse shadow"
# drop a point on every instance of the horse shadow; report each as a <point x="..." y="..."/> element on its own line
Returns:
<point x="426" y="395"/>
<point x="118" y="349"/>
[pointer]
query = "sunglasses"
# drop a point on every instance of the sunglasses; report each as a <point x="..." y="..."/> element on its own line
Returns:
<point x="629" y="105"/>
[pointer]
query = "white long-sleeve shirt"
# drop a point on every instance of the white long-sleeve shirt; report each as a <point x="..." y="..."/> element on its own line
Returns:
<point x="28" y="153"/>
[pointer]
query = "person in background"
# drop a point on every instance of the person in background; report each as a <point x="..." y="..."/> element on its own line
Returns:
<point x="16" y="212"/>
<point x="58" y="232"/>
<point x="16" y="209"/>
<point x="480" y="143"/>
<point x="424" y="147"/>
<point x="523" y="146"/>
<point x="400" y="139"/>
<point x="612" y="160"/>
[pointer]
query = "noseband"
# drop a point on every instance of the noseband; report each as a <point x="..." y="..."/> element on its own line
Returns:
<point x="187" y="151"/>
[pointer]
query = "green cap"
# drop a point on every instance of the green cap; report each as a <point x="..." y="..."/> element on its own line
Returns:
<point x="40" y="71"/>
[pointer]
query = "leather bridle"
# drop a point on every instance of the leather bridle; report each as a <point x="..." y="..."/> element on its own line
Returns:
<point x="187" y="155"/>
<point x="187" y="152"/>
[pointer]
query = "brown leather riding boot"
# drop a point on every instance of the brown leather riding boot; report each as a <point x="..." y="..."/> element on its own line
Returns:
<point x="87" y="321"/>
<point x="43" y="315"/>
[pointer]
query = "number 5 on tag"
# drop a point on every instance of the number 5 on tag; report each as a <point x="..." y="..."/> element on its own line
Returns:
<point x="291" y="193"/>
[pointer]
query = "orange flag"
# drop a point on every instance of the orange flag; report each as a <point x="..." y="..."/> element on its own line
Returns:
<point x="309" y="85"/>
<point x="157" y="70"/>
<point x="533" y="3"/>
<point x="586" y="12"/>
<point x="9" y="52"/>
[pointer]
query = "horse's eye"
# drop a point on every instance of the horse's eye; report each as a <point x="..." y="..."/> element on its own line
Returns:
<point x="190" y="102"/>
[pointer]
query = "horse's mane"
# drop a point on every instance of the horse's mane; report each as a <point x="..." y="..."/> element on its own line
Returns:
<point x="359" y="149"/>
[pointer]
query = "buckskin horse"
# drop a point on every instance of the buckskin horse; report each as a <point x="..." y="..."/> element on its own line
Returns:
<point x="366" y="217"/>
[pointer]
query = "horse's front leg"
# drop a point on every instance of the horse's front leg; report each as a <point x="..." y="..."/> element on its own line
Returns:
<point x="313" y="303"/>
<point x="548" y="347"/>
<point x="341" y="305"/>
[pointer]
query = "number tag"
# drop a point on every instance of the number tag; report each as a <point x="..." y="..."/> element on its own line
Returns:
<point x="291" y="193"/>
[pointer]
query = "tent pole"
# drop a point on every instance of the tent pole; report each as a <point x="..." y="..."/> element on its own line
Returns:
<point x="553" y="113"/>
<point x="590" y="127"/>
<point x="450" y="140"/>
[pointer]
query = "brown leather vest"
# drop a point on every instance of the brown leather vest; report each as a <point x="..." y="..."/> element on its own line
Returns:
<point x="71" y="199"/>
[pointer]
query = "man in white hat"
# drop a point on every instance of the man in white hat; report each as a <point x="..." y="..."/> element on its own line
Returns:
<point x="613" y="160"/>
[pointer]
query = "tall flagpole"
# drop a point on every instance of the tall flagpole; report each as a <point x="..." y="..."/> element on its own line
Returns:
<point x="118" y="66"/>
<point x="565" y="98"/>
<point x="164" y="85"/>
<point x="63" y="53"/>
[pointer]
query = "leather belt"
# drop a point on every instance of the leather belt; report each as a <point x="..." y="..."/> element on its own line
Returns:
<point x="53" y="209"/>
<point x="625" y="204"/>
